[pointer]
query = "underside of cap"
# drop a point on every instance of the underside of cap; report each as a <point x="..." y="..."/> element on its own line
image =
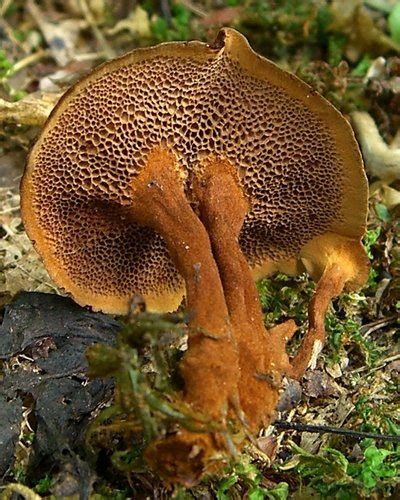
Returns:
<point x="296" y="157"/>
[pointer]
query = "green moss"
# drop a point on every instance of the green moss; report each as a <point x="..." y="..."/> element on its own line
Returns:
<point x="331" y="475"/>
<point x="147" y="401"/>
<point x="5" y="64"/>
<point x="344" y="334"/>
<point x="249" y="477"/>
<point x="284" y="297"/>
<point x="394" y="22"/>
<point x="177" y="28"/>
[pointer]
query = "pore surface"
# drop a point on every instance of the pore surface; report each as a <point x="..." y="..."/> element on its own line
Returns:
<point x="285" y="158"/>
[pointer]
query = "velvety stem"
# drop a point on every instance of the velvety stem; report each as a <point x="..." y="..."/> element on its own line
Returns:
<point x="210" y="367"/>
<point x="223" y="209"/>
<point x="329" y="286"/>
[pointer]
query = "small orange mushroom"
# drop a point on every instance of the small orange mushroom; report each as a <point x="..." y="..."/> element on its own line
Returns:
<point x="193" y="169"/>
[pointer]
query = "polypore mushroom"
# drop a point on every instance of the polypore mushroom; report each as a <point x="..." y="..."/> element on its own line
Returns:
<point x="200" y="167"/>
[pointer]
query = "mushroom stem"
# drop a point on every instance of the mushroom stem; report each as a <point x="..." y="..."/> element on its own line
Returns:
<point x="210" y="366"/>
<point x="223" y="208"/>
<point x="329" y="286"/>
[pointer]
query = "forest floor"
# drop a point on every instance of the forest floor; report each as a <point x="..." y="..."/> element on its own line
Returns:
<point x="348" y="50"/>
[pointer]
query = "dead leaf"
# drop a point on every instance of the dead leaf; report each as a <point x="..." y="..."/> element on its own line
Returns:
<point x="268" y="445"/>
<point x="64" y="399"/>
<point x="334" y="370"/>
<point x="394" y="366"/>
<point x="319" y="385"/>
<point x="291" y="396"/>
<point x="20" y="264"/>
<point x="137" y="23"/>
<point x="61" y="37"/>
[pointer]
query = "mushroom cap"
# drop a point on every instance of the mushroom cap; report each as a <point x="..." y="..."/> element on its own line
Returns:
<point x="296" y="157"/>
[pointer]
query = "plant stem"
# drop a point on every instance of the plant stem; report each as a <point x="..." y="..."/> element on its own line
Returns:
<point x="323" y="429"/>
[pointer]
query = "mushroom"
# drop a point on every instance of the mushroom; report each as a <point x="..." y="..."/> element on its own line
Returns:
<point x="194" y="169"/>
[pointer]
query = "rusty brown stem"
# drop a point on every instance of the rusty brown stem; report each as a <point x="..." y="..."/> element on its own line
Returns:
<point x="232" y="361"/>
<point x="329" y="286"/>
<point x="223" y="208"/>
<point x="210" y="366"/>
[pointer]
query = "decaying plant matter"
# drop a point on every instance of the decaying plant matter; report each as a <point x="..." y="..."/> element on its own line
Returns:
<point x="190" y="169"/>
<point x="381" y="160"/>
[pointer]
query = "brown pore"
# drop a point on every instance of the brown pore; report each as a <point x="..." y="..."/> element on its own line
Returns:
<point x="295" y="155"/>
<point x="190" y="169"/>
